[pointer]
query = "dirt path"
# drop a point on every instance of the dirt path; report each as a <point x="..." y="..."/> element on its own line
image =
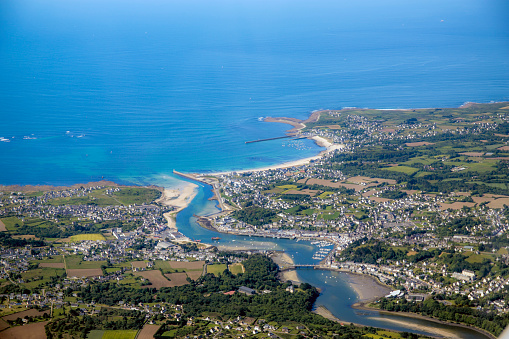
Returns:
<point x="2" y="227"/>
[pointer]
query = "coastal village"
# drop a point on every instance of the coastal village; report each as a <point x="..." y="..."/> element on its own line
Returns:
<point x="391" y="199"/>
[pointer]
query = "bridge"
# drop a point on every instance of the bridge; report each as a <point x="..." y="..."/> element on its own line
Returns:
<point x="295" y="267"/>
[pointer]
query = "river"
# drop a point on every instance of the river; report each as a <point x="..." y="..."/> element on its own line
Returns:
<point x="336" y="295"/>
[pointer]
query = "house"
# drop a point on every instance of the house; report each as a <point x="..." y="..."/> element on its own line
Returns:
<point x="246" y="290"/>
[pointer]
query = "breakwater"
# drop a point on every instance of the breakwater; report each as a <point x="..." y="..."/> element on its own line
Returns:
<point x="268" y="139"/>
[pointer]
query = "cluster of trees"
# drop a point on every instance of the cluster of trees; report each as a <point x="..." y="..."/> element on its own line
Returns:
<point x="369" y="251"/>
<point x="488" y="321"/>
<point x="7" y="241"/>
<point x="393" y="194"/>
<point x="79" y="327"/>
<point x="255" y="215"/>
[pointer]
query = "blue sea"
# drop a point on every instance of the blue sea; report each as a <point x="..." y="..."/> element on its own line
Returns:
<point x="128" y="90"/>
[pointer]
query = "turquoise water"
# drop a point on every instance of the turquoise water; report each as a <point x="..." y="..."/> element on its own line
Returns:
<point x="129" y="90"/>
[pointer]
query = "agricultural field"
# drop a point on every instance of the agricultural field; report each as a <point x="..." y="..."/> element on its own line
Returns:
<point x="119" y="334"/>
<point x="194" y="275"/>
<point x="84" y="237"/>
<point x="216" y="269"/>
<point x="236" y="268"/>
<point x="40" y="276"/>
<point x="187" y="265"/>
<point x="148" y="331"/>
<point x="77" y="262"/>
<point x="29" y="313"/>
<point x="177" y="279"/>
<point x="156" y="278"/>
<point x="29" y="331"/>
<point x="86" y="272"/>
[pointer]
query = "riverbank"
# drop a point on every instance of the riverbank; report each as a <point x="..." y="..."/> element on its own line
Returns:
<point x="441" y="332"/>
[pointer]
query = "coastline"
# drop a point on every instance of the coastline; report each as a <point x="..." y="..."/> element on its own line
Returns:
<point x="322" y="142"/>
<point x="297" y="126"/>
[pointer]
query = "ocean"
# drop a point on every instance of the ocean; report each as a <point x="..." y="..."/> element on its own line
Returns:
<point x="128" y="90"/>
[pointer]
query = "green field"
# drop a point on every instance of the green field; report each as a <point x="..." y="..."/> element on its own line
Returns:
<point x="325" y="195"/>
<point x="164" y="266"/>
<point x="38" y="276"/>
<point x="83" y="237"/>
<point x="77" y="262"/>
<point x="95" y="334"/>
<point x="329" y="216"/>
<point x="126" y="196"/>
<point x="236" y="268"/>
<point x="10" y="223"/>
<point x="119" y="334"/>
<point x="57" y="259"/>
<point x="287" y="187"/>
<point x="402" y="169"/>
<point x="216" y="269"/>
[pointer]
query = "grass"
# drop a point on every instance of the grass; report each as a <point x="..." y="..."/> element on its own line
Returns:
<point x="84" y="237"/>
<point x="477" y="258"/>
<point x="120" y="334"/>
<point x="57" y="259"/>
<point x="402" y="169"/>
<point x="236" y="268"/>
<point x="216" y="269"/>
<point x="126" y="196"/>
<point x="287" y="187"/>
<point x="95" y="334"/>
<point x="325" y="195"/>
<point x="10" y="222"/>
<point x="164" y="266"/>
<point x="77" y="262"/>
<point x="383" y="335"/>
<point x="40" y="276"/>
<point x="329" y="216"/>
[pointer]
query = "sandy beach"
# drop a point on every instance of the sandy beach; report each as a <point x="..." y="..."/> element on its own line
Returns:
<point x="324" y="312"/>
<point x="178" y="198"/>
<point x="436" y="331"/>
<point x="319" y="141"/>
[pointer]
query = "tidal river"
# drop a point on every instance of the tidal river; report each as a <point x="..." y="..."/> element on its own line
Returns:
<point x="336" y="294"/>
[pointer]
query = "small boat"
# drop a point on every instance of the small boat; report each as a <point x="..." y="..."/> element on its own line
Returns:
<point x="197" y="240"/>
<point x="216" y="238"/>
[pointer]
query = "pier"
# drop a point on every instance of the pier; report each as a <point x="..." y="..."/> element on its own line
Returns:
<point x="268" y="139"/>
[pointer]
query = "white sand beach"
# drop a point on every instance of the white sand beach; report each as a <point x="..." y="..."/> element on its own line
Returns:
<point x="330" y="147"/>
<point x="178" y="198"/>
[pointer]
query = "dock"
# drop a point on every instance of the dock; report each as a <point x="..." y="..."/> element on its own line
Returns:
<point x="268" y="139"/>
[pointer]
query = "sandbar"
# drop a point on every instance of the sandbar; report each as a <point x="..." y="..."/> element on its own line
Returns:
<point x="366" y="287"/>
<point x="179" y="199"/>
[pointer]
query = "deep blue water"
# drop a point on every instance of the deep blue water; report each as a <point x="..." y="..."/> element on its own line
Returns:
<point x="145" y="87"/>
